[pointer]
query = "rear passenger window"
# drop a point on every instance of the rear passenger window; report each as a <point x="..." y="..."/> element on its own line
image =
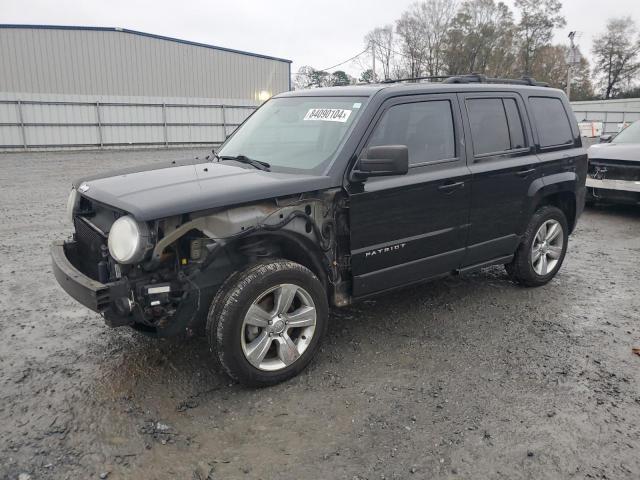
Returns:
<point x="551" y="120"/>
<point x="496" y="125"/>
<point x="426" y="128"/>
<point x="488" y="125"/>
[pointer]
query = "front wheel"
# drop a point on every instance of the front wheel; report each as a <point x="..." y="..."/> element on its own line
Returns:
<point x="542" y="249"/>
<point x="267" y="322"/>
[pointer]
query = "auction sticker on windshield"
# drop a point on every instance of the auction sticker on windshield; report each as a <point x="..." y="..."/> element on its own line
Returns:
<point x="328" y="114"/>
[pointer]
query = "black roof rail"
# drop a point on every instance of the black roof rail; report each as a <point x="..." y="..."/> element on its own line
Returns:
<point x="479" y="78"/>
<point x="467" y="78"/>
<point x="415" y="79"/>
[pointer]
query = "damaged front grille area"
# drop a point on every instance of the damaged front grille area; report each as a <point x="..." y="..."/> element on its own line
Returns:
<point x="614" y="170"/>
<point x="92" y="247"/>
<point x="614" y="180"/>
<point x="92" y="222"/>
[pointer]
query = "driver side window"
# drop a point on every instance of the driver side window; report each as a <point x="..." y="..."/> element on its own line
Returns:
<point x="426" y="128"/>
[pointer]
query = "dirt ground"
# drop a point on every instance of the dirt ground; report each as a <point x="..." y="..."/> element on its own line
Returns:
<point x="470" y="377"/>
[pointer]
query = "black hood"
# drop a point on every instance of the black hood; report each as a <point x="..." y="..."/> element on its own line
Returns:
<point x="164" y="190"/>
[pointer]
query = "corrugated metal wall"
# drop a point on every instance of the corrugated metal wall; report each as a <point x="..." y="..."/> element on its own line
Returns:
<point x="612" y="113"/>
<point x="93" y="87"/>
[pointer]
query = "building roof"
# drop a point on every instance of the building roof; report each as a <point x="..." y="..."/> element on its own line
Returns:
<point x="142" y="34"/>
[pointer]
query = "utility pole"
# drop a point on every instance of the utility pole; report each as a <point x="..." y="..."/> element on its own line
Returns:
<point x="373" y="61"/>
<point x="570" y="62"/>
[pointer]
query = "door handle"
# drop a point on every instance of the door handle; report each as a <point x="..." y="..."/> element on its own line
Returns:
<point x="450" y="187"/>
<point x="525" y="173"/>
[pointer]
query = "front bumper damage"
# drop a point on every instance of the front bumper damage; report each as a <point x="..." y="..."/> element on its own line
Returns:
<point x="614" y="180"/>
<point x="118" y="301"/>
<point x="619" y="191"/>
<point x="614" y="184"/>
<point x="109" y="299"/>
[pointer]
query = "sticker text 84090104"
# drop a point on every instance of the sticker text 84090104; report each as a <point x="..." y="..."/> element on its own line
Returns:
<point x="328" y="114"/>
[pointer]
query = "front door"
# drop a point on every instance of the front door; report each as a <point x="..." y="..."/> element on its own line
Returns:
<point x="407" y="228"/>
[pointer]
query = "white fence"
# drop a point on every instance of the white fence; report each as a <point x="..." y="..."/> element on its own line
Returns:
<point x="42" y="124"/>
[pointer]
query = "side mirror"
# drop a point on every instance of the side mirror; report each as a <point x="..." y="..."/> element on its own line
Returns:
<point x="382" y="161"/>
<point x="606" y="138"/>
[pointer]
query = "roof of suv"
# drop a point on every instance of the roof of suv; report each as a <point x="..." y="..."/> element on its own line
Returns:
<point x="411" y="88"/>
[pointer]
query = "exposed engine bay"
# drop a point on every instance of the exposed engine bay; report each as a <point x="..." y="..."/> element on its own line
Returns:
<point x="190" y="255"/>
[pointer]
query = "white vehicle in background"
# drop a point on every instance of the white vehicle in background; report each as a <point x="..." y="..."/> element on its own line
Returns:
<point x="614" y="167"/>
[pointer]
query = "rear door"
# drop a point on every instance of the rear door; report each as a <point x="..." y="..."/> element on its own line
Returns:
<point x="411" y="227"/>
<point x="503" y="165"/>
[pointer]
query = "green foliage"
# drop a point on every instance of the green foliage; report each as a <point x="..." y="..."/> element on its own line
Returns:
<point x="339" y="77"/>
<point x="367" y="76"/>
<point x="309" y="77"/>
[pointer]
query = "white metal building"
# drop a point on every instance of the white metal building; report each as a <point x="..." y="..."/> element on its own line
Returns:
<point x="92" y="87"/>
<point x="612" y="114"/>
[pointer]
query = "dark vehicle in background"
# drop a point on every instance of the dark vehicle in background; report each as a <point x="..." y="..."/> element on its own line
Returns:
<point x="324" y="197"/>
<point x="614" y="168"/>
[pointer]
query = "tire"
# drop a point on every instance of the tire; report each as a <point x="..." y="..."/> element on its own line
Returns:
<point x="528" y="268"/>
<point x="262" y="348"/>
<point x="214" y="312"/>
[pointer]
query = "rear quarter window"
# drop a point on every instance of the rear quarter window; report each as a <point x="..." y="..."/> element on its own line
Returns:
<point x="551" y="121"/>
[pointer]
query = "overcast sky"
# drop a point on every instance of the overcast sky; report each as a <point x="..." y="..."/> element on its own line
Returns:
<point x="320" y="34"/>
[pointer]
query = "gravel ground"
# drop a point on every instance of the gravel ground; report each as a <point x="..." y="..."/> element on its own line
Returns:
<point x="470" y="377"/>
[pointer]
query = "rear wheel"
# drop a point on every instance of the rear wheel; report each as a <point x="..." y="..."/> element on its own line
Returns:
<point x="267" y="322"/>
<point x="542" y="250"/>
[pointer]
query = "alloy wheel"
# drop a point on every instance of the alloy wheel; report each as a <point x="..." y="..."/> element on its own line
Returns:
<point x="278" y="327"/>
<point x="546" y="249"/>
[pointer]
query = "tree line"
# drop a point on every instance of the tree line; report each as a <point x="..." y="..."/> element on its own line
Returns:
<point x="442" y="37"/>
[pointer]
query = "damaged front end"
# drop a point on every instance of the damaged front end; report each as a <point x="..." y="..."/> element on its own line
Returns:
<point x="614" y="180"/>
<point x="163" y="282"/>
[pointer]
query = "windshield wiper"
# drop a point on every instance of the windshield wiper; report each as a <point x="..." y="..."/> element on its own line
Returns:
<point x="249" y="161"/>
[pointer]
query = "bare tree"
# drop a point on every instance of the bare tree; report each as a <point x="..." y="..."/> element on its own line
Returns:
<point x="616" y="54"/>
<point x="410" y="29"/>
<point x="551" y="64"/>
<point x="481" y="39"/>
<point x="538" y="19"/>
<point x="436" y="17"/>
<point x="382" y="41"/>
<point x="423" y="32"/>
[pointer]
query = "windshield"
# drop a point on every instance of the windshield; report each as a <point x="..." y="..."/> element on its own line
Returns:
<point x="631" y="134"/>
<point x="295" y="133"/>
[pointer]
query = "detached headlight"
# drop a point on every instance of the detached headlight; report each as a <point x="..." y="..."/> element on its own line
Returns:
<point x="72" y="204"/>
<point x="129" y="240"/>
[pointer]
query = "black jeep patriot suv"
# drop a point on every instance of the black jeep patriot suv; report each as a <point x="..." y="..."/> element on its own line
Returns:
<point x="323" y="197"/>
